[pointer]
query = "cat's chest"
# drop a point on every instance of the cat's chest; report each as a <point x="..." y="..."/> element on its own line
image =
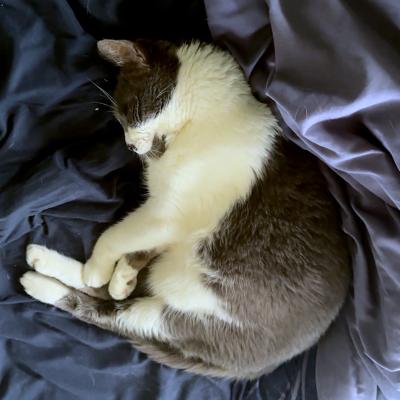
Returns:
<point x="173" y="174"/>
<point x="196" y="190"/>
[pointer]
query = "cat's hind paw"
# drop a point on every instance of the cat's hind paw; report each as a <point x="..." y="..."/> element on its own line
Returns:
<point x="51" y="263"/>
<point x="42" y="288"/>
<point x="37" y="256"/>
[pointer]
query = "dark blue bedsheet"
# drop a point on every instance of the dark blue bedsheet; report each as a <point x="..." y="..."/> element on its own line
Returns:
<point x="65" y="174"/>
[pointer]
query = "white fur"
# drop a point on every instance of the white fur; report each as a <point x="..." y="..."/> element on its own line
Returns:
<point x="49" y="262"/>
<point x="144" y="317"/>
<point x="176" y="278"/>
<point x="141" y="138"/>
<point x="123" y="280"/>
<point x="43" y="288"/>
<point x="96" y="277"/>
<point x="219" y="138"/>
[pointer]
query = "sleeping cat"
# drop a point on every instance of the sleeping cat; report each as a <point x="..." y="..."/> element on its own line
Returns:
<point x="241" y="258"/>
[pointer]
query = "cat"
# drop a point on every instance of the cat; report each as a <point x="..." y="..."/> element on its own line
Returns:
<point x="238" y="253"/>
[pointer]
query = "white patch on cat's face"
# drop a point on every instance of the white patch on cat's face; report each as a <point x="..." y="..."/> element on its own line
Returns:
<point x="203" y="91"/>
<point x="140" y="138"/>
<point x="163" y="126"/>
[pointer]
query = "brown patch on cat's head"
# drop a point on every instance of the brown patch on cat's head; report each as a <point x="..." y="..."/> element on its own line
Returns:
<point x="147" y="78"/>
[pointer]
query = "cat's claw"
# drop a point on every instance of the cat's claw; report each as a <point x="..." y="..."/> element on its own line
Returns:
<point x="42" y="288"/>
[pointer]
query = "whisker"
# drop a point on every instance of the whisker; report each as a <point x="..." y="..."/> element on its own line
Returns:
<point x="164" y="90"/>
<point x="109" y="109"/>
<point x="108" y="95"/>
<point x="101" y="103"/>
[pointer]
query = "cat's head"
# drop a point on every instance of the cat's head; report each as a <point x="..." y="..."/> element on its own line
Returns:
<point x="146" y="83"/>
<point x="163" y="89"/>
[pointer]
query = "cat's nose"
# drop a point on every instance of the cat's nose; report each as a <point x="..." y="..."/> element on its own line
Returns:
<point x="131" y="147"/>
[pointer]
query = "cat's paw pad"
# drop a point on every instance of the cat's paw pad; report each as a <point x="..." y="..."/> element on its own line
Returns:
<point x="37" y="256"/>
<point x="96" y="276"/>
<point x="42" y="288"/>
<point x="123" y="281"/>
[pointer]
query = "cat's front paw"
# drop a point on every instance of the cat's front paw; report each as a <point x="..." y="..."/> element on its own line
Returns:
<point x="97" y="274"/>
<point x="42" y="288"/>
<point x="123" y="280"/>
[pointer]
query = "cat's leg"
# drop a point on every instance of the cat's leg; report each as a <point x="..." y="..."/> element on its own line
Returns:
<point x="124" y="277"/>
<point x="65" y="269"/>
<point x="140" y="231"/>
<point x="43" y="288"/>
<point x="205" y="345"/>
<point x="141" y="317"/>
<point x="53" y="264"/>
<point x="69" y="271"/>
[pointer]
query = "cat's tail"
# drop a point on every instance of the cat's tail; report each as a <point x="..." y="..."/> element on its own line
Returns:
<point x="163" y="353"/>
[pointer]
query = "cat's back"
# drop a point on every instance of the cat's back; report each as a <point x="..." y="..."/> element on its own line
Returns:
<point x="283" y="243"/>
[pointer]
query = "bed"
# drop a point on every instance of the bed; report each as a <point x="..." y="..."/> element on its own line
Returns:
<point x="331" y="70"/>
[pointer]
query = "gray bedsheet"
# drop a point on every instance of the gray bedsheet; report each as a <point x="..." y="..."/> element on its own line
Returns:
<point x="333" y="70"/>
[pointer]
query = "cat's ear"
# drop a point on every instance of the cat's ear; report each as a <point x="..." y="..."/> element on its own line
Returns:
<point x="121" y="52"/>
